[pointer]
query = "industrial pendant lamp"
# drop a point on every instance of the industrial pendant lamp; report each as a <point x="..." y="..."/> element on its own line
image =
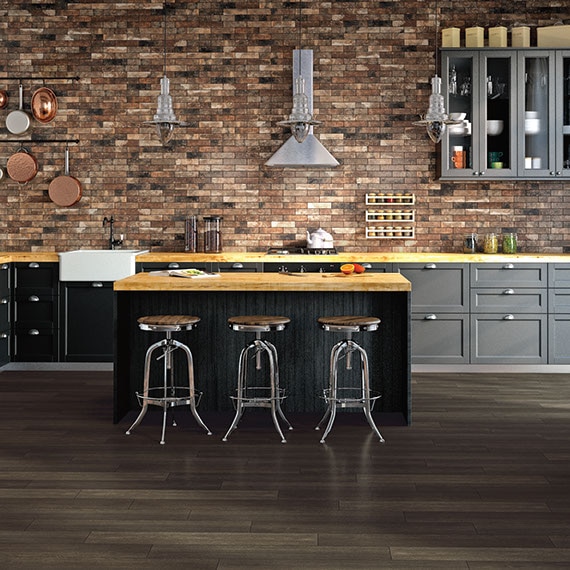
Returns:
<point x="301" y="119"/>
<point x="165" y="120"/>
<point x="436" y="119"/>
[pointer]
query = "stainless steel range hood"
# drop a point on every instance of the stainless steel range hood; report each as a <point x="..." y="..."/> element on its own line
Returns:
<point x="310" y="153"/>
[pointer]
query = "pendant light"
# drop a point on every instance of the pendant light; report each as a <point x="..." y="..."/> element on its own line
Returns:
<point x="165" y="120"/>
<point x="436" y="119"/>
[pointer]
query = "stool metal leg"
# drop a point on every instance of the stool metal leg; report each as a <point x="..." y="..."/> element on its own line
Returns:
<point x="273" y="401"/>
<point x="366" y="392"/>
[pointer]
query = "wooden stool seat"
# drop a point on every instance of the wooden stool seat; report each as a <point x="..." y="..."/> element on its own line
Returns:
<point x="258" y="323"/>
<point x="349" y="323"/>
<point x="164" y="323"/>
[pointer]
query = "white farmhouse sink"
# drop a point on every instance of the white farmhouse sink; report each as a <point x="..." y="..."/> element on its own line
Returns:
<point x="97" y="264"/>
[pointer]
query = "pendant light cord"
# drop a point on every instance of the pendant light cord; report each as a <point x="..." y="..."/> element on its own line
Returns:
<point x="436" y="39"/>
<point x="164" y="37"/>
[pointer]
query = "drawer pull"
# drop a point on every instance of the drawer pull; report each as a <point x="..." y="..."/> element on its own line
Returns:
<point x="96" y="284"/>
<point x="174" y="265"/>
<point x="5" y="266"/>
<point x="4" y="335"/>
<point x="430" y="266"/>
<point x="33" y="298"/>
<point x="431" y="317"/>
<point x="237" y="265"/>
<point x="366" y="265"/>
<point x="4" y="301"/>
<point x="33" y="265"/>
<point x="508" y="266"/>
<point x="509" y="318"/>
<point x="509" y="292"/>
<point x="33" y="332"/>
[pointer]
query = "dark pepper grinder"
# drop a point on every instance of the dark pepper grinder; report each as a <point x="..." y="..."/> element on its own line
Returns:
<point x="470" y="243"/>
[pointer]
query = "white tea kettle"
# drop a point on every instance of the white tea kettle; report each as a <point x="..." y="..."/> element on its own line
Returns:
<point x="319" y="239"/>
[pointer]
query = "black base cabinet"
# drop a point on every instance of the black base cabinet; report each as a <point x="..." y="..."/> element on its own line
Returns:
<point x="87" y="321"/>
<point x="35" y="317"/>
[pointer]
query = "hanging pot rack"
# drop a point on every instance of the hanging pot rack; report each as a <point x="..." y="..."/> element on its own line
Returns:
<point x="43" y="79"/>
<point x="40" y="141"/>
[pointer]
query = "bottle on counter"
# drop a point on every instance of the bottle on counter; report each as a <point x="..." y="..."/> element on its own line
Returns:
<point x="509" y="242"/>
<point x="212" y="234"/>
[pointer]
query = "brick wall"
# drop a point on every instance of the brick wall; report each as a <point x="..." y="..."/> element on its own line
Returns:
<point x="230" y="69"/>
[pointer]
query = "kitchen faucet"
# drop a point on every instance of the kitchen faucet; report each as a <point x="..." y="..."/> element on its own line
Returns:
<point x="112" y="241"/>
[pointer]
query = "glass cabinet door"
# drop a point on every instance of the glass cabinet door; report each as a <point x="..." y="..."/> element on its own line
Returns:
<point x="480" y="89"/>
<point x="536" y="114"/>
<point x="563" y="112"/>
<point x="498" y="157"/>
<point x="457" y="156"/>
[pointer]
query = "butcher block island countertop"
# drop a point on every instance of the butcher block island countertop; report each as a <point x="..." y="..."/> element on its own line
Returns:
<point x="364" y="282"/>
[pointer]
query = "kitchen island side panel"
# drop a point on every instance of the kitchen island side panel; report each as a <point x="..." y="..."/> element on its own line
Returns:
<point x="303" y="347"/>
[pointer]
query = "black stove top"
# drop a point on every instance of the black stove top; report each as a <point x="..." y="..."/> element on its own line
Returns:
<point x="301" y="251"/>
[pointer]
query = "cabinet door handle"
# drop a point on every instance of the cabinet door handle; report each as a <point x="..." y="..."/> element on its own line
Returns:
<point x="367" y="265"/>
<point x="4" y="335"/>
<point x="33" y="265"/>
<point x="509" y="318"/>
<point x="96" y="284"/>
<point x="508" y="266"/>
<point x="33" y="298"/>
<point x="237" y="265"/>
<point x="430" y="317"/>
<point x="173" y="265"/>
<point x="33" y="332"/>
<point x="509" y="292"/>
<point x="5" y="266"/>
<point x="4" y="301"/>
<point x="430" y="266"/>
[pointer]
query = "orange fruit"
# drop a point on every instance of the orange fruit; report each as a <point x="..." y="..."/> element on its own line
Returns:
<point x="347" y="268"/>
<point x="359" y="268"/>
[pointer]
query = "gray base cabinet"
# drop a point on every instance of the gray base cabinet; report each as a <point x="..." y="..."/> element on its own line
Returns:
<point x="440" y="338"/>
<point x="559" y="317"/>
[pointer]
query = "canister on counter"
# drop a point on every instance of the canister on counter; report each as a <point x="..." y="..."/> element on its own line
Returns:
<point x="212" y="234"/>
<point x="191" y="234"/>
<point x="470" y="243"/>
<point x="509" y="242"/>
<point x="490" y="243"/>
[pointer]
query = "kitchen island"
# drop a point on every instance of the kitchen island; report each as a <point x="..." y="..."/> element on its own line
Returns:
<point x="303" y="347"/>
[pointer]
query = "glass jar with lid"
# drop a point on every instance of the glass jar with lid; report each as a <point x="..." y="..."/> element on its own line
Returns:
<point x="212" y="234"/>
<point x="490" y="243"/>
<point x="509" y="242"/>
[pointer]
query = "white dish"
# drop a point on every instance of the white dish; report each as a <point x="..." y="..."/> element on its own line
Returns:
<point x="531" y="115"/>
<point x="566" y="129"/>
<point x="531" y="126"/>
<point x="457" y="116"/>
<point x="494" y="127"/>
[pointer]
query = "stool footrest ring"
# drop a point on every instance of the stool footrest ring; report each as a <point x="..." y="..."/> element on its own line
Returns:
<point x="257" y="395"/>
<point x="350" y="397"/>
<point x="178" y="396"/>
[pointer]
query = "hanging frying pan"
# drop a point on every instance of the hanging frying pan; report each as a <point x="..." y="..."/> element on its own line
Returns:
<point x="3" y="98"/>
<point x="22" y="166"/>
<point x="65" y="190"/>
<point x="18" y="122"/>
<point x="44" y="105"/>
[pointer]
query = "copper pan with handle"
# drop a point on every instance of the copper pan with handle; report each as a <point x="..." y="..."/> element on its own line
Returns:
<point x="44" y="105"/>
<point x="65" y="190"/>
<point x="22" y="166"/>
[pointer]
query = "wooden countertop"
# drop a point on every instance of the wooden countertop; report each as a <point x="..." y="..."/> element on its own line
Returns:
<point x="387" y="282"/>
<point x="388" y="257"/>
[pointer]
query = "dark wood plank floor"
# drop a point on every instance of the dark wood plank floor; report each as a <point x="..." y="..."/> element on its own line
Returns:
<point x="480" y="480"/>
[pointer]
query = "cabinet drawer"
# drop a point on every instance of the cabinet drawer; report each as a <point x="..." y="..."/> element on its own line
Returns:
<point x="508" y="300"/>
<point x="35" y="344"/>
<point x="237" y="267"/>
<point x="559" y="275"/>
<point x="440" y="338"/>
<point x="36" y="310"/>
<point x="163" y="266"/>
<point x="508" y="339"/>
<point x="559" y="300"/>
<point x="509" y="275"/>
<point x="4" y="346"/>
<point x="41" y="278"/>
<point x="438" y="288"/>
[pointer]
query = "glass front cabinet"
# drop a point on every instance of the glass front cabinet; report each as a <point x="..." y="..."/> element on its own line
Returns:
<point x="513" y="108"/>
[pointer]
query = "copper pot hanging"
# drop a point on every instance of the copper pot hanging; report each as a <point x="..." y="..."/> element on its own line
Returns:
<point x="44" y="105"/>
<point x="3" y="98"/>
<point x="22" y="166"/>
<point x="65" y="190"/>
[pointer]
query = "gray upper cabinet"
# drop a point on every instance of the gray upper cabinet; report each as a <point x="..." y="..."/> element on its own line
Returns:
<point x="517" y="113"/>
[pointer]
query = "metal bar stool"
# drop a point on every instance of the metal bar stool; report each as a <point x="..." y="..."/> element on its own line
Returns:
<point x="169" y="395"/>
<point x="259" y="396"/>
<point x="348" y="397"/>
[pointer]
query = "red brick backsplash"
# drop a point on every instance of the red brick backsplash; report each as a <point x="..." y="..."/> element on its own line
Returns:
<point x="229" y="65"/>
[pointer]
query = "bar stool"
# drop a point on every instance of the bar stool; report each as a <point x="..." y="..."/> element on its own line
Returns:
<point x="169" y="394"/>
<point x="259" y="396"/>
<point x="348" y="397"/>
